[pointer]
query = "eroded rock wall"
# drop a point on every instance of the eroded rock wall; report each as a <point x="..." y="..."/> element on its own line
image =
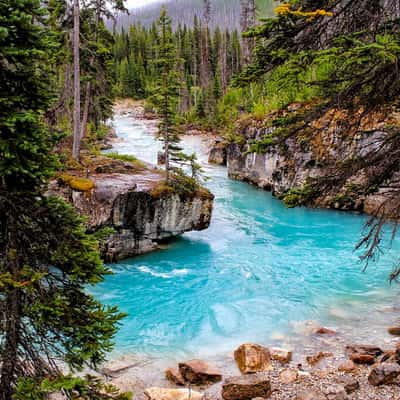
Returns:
<point x="140" y="219"/>
<point x="326" y="147"/>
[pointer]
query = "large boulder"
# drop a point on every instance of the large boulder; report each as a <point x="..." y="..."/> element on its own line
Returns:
<point x="363" y="354"/>
<point x="175" y="376"/>
<point x="199" y="372"/>
<point x="282" y="355"/>
<point x="384" y="374"/>
<point x="394" y="330"/>
<point x="217" y="154"/>
<point x="157" y="393"/>
<point x="247" y="387"/>
<point x="252" y="358"/>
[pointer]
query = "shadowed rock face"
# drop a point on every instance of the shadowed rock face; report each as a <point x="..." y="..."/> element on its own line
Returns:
<point x="140" y="219"/>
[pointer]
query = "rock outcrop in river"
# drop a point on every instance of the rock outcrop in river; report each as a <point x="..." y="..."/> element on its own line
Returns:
<point x="137" y="206"/>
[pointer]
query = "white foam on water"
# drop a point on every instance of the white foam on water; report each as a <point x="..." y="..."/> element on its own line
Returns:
<point x="165" y="275"/>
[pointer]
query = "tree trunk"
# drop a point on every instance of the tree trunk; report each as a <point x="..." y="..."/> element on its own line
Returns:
<point x="10" y="354"/>
<point x="12" y="316"/>
<point x="205" y="65"/>
<point x="77" y="85"/>
<point x="247" y="20"/>
<point x="86" y="106"/>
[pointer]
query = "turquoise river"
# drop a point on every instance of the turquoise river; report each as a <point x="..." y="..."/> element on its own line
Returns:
<point x="261" y="273"/>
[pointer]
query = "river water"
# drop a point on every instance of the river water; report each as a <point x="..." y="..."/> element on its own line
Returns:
<point x="261" y="273"/>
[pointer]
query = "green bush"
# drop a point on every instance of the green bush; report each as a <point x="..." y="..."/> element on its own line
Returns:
<point x="298" y="196"/>
<point x="126" y="158"/>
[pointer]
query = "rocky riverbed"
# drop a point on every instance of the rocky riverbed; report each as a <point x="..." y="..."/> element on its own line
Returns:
<point x="252" y="371"/>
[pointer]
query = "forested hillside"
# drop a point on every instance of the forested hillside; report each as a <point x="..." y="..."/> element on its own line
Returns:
<point x="224" y="13"/>
<point x="207" y="61"/>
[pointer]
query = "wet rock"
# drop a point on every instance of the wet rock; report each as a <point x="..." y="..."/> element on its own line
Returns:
<point x="116" y="368"/>
<point x="363" y="354"/>
<point x="387" y="356"/>
<point x="316" y="358"/>
<point x="199" y="372"/>
<point x="384" y="374"/>
<point x="281" y="355"/>
<point x="217" y="154"/>
<point x="247" y="387"/>
<point x="335" y="392"/>
<point x="325" y="331"/>
<point x="160" y="158"/>
<point x="288" y="376"/>
<point x="347" y="366"/>
<point x="252" y="358"/>
<point x="175" y="376"/>
<point x="362" y="358"/>
<point x="350" y="384"/>
<point x="394" y="330"/>
<point x="156" y="393"/>
<point x="308" y="394"/>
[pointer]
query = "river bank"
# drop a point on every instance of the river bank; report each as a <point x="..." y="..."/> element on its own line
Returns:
<point x="260" y="273"/>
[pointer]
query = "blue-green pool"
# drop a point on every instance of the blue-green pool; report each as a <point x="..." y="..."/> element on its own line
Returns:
<point x="256" y="274"/>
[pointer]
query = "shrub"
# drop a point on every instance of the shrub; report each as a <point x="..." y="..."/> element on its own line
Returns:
<point x="298" y="196"/>
<point x="127" y="158"/>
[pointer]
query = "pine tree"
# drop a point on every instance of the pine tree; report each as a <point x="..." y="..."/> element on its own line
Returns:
<point x="166" y="93"/>
<point x="46" y="258"/>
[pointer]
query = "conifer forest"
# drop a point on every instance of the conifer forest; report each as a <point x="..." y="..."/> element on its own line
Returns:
<point x="199" y="199"/>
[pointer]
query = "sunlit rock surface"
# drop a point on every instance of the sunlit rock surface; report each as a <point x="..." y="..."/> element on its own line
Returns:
<point x="142" y="216"/>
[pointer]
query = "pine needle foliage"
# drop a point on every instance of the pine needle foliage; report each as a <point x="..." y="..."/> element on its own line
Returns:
<point x="46" y="259"/>
<point x="166" y="93"/>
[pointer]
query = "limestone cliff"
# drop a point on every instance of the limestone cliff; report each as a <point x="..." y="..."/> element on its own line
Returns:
<point x="330" y="162"/>
<point x="140" y="214"/>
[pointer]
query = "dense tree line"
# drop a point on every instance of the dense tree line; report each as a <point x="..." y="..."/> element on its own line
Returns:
<point x="207" y="62"/>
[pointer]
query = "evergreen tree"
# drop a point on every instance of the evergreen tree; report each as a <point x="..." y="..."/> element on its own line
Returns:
<point x="209" y="60"/>
<point x="46" y="258"/>
<point x="166" y="93"/>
